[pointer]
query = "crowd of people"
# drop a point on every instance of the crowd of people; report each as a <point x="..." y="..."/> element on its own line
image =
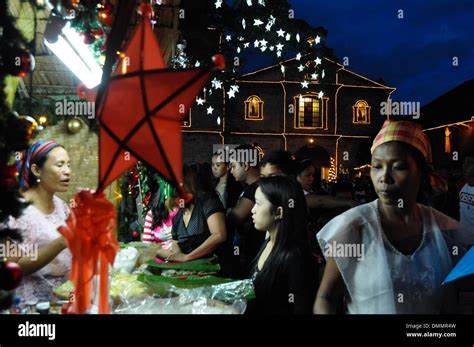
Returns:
<point x="372" y="245"/>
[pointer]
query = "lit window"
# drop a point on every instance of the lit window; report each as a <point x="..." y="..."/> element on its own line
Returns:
<point x="361" y="112"/>
<point x="309" y="112"/>
<point x="253" y="108"/>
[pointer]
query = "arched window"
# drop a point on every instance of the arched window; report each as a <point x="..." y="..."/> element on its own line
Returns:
<point x="361" y="112"/>
<point x="309" y="111"/>
<point x="253" y="108"/>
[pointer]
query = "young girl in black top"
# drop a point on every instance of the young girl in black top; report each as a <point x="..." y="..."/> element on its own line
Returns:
<point x="284" y="270"/>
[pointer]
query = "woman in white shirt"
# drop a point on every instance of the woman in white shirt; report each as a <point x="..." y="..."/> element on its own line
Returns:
<point x="391" y="255"/>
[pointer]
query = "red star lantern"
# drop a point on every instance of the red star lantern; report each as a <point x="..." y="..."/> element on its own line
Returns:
<point x="141" y="111"/>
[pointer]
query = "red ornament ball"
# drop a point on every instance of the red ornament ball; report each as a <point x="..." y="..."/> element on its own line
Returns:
<point x="88" y="38"/>
<point x="10" y="275"/>
<point x="218" y="61"/>
<point x="135" y="234"/>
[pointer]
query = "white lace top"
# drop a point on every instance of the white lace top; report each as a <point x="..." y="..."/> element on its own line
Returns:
<point x="41" y="229"/>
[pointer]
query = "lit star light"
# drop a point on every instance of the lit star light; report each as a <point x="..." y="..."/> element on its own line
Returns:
<point x="314" y="76"/>
<point x="200" y="101"/>
<point x="235" y="88"/>
<point x="263" y="42"/>
<point x="231" y="94"/>
<point x="216" y="83"/>
<point x="300" y="68"/>
<point x="288" y="37"/>
<point x="210" y="109"/>
<point x="218" y="3"/>
<point x="228" y="38"/>
<point x="304" y="84"/>
<point x="318" y="39"/>
<point x="279" y="47"/>
<point x="257" y="22"/>
<point x="281" y="33"/>
<point x="320" y="95"/>
<point x="317" y="61"/>
<point x="256" y="43"/>
<point x="298" y="56"/>
<point x="249" y="2"/>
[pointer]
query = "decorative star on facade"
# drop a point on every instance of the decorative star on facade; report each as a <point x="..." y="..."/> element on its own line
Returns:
<point x="218" y="3"/>
<point x="210" y="109"/>
<point x="200" y="101"/>
<point x="317" y="40"/>
<point x="279" y="47"/>
<point x="317" y="61"/>
<point x="228" y="38"/>
<point x="320" y="95"/>
<point x="300" y="68"/>
<point x="298" y="56"/>
<point x="281" y="33"/>
<point x="304" y="84"/>
<point x="288" y="37"/>
<point x="257" y="22"/>
<point x="231" y="94"/>
<point x="256" y="43"/>
<point x="314" y="76"/>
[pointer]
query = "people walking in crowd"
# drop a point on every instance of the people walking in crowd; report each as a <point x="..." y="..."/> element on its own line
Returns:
<point x="225" y="184"/>
<point x="277" y="162"/>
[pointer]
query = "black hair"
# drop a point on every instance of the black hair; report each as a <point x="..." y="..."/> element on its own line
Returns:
<point x="159" y="212"/>
<point x="303" y="165"/>
<point x="280" y="158"/>
<point x="292" y="237"/>
<point x="249" y="148"/>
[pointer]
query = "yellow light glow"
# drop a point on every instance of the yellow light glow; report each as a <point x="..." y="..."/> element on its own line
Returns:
<point x="42" y="120"/>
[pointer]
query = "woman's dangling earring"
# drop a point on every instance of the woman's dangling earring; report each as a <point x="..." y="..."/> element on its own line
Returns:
<point x="38" y="180"/>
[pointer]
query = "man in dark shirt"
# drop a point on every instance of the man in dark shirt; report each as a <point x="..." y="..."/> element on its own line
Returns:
<point x="247" y="240"/>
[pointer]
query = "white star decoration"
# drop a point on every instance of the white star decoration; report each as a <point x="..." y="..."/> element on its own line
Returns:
<point x="256" y="43"/>
<point x="200" y="101"/>
<point x="279" y="47"/>
<point x="317" y="61"/>
<point x="304" y="84"/>
<point x="231" y="94"/>
<point x="210" y="109"/>
<point x="318" y="39"/>
<point x="263" y="42"/>
<point x="257" y="22"/>
<point x="280" y="33"/>
<point x="300" y="68"/>
<point x="249" y="2"/>
<point x="271" y="48"/>
<point x="320" y="95"/>
<point x="261" y="2"/>
<point x="235" y="88"/>
<point x="278" y="54"/>
<point x="228" y="38"/>
<point x="314" y="76"/>
<point x="288" y="37"/>
<point x="216" y="83"/>
<point x="298" y="56"/>
<point x="218" y="3"/>
<point x="246" y="44"/>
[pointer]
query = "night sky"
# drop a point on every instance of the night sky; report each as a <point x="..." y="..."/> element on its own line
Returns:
<point x="413" y="54"/>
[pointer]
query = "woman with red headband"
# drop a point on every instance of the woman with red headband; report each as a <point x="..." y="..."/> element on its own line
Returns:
<point x="391" y="255"/>
<point x="44" y="170"/>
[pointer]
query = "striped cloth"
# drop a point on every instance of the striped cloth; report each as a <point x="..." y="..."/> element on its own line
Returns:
<point x="403" y="131"/>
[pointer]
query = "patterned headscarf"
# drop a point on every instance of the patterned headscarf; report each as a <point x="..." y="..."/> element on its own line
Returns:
<point x="32" y="155"/>
<point x="404" y="131"/>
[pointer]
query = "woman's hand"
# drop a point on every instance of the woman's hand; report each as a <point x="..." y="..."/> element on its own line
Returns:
<point x="172" y="256"/>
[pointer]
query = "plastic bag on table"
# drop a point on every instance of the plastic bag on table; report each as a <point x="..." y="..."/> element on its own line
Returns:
<point x="180" y="305"/>
<point x="126" y="260"/>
